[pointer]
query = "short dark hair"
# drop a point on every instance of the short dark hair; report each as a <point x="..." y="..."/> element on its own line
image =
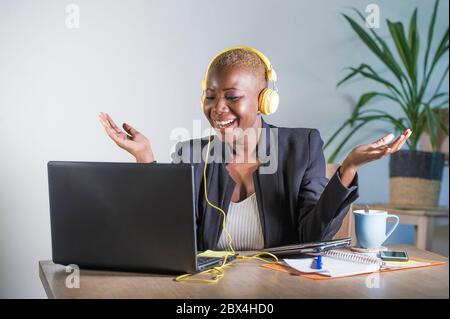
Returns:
<point x="243" y="59"/>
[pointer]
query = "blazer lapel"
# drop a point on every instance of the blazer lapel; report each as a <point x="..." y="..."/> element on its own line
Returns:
<point x="266" y="185"/>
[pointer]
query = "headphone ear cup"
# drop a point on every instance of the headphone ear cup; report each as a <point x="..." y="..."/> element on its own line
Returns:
<point x="203" y="97"/>
<point x="268" y="101"/>
<point x="202" y="100"/>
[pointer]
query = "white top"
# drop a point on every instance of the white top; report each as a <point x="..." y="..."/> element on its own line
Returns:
<point x="244" y="226"/>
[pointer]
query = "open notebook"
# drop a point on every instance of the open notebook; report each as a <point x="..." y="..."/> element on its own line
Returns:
<point x="341" y="264"/>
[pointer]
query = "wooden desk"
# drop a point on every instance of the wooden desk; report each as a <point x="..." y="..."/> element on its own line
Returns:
<point x="250" y="280"/>
<point x="422" y="218"/>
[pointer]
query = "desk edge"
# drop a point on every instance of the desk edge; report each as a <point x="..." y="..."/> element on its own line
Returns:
<point x="45" y="283"/>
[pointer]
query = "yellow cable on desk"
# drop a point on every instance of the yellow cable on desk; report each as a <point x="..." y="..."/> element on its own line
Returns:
<point x="218" y="272"/>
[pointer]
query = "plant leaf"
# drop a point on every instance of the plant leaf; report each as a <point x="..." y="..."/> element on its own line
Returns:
<point x="413" y="40"/>
<point x="398" y="123"/>
<point x="352" y="74"/>
<point x="430" y="36"/>
<point x="363" y="100"/>
<point x="440" y="51"/>
<point x="371" y="74"/>
<point x="440" y="105"/>
<point x="398" y="35"/>
<point x="375" y="77"/>
<point x="432" y="124"/>
<point x="442" y="48"/>
<point x="330" y="140"/>
<point x="333" y="156"/>
<point x="443" y="124"/>
<point x="395" y="67"/>
<point x="367" y="39"/>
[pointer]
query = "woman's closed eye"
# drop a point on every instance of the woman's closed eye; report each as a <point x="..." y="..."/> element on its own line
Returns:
<point x="233" y="98"/>
<point x="230" y="98"/>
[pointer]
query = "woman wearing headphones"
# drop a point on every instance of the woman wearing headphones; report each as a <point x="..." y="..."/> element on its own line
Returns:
<point x="296" y="202"/>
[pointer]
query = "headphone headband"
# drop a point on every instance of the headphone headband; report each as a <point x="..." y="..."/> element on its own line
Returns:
<point x="268" y="99"/>
<point x="271" y="75"/>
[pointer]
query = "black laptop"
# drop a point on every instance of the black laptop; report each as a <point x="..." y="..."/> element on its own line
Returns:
<point x="125" y="216"/>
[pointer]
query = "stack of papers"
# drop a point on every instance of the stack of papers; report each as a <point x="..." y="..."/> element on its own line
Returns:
<point x="332" y="267"/>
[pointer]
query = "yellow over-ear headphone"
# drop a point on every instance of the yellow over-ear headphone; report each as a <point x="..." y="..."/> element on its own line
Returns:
<point x="268" y="99"/>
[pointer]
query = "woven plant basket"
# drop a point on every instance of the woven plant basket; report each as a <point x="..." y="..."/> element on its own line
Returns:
<point x="415" y="178"/>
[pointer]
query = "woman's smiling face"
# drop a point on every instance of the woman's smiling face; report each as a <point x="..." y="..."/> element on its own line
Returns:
<point x="231" y="101"/>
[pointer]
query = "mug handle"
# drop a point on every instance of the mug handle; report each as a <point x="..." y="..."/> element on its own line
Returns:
<point x="393" y="227"/>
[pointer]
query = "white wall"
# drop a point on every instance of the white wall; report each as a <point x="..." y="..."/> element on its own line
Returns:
<point x="143" y="61"/>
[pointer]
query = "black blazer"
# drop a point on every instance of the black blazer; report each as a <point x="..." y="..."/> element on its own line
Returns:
<point x="296" y="203"/>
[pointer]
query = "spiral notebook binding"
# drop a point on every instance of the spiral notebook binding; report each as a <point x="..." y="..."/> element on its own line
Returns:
<point x="359" y="258"/>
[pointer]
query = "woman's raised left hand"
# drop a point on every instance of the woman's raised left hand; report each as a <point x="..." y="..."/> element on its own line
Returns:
<point x="366" y="153"/>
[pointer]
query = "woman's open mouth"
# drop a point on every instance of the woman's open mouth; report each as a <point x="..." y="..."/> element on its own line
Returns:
<point x="224" y="124"/>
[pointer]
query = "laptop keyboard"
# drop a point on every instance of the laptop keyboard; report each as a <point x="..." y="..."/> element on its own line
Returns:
<point x="205" y="260"/>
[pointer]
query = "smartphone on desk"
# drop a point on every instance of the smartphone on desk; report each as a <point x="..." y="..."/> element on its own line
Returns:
<point x="390" y="255"/>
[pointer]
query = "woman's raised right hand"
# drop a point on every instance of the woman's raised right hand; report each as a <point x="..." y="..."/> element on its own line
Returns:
<point x="130" y="139"/>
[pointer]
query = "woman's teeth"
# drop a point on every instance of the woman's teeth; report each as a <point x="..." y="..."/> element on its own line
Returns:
<point x="224" y="124"/>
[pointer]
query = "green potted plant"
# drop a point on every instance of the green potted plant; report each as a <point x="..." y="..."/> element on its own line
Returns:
<point x="415" y="175"/>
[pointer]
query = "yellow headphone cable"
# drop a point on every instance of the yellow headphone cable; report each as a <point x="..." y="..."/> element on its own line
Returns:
<point x="218" y="272"/>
